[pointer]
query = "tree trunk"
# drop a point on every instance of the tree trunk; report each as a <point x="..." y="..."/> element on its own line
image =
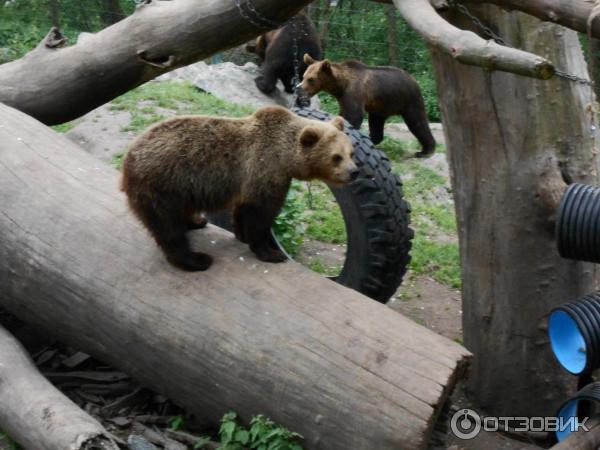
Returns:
<point x="54" y="12"/>
<point x="36" y="414"/>
<point x="392" y="35"/>
<point x="56" y="84"/>
<point x="510" y="139"/>
<point x="277" y="339"/>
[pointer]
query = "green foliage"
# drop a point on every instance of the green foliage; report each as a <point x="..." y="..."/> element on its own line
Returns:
<point x="23" y="23"/>
<point x="176" y="423"/>
<point x="263" y="434"/>
<point x="6" y="440"/>
<point x="288" y="224"/>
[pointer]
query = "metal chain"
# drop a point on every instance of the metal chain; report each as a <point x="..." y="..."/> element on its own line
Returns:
<point x="493" y="35"/>
<point x="253" y="16"/>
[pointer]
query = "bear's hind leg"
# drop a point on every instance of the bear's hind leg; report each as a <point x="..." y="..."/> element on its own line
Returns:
<point x="168" y="230"/>
<point x="253" y="224"/>
<point x="267" y="81"/>
<point x="416" y="121"/>
<point x="376" y="124"/>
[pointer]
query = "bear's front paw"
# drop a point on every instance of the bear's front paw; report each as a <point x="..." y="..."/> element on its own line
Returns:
<point x="191" y="262"/>
<point x="270" y="255"/>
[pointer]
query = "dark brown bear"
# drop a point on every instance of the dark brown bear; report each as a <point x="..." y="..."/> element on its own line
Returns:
<point x="276" y="51"/>
<point x="380" y="91"/>
<point x="190" y="164"/>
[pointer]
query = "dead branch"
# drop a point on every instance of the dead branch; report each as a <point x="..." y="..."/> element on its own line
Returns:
<point x="467" y="47"/>
<point x="36" y="414"/>
<point x="56" y="84"/>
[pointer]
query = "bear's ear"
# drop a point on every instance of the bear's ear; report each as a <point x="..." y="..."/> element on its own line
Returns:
<point x="326" y="66"/>
<point x="308" y="59"/>
<point x="309" y="137"/>
<point x="338" y="122"/>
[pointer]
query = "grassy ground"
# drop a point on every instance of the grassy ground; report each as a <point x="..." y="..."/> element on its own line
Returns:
<point x="311" y="212"/>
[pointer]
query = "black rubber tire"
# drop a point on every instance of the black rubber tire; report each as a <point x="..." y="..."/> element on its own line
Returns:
<point x="376" y="217"/>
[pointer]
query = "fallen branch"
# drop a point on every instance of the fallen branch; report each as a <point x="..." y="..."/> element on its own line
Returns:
<point x="36" y="414"/>
<point x="568" y="13"/>
<point x="56" y="84"/>
<point x="467" y="47"/>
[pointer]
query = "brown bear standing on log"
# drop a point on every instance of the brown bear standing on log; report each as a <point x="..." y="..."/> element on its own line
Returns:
<point x="190" y="164"/>
<point x="277" y="53"/>
<point x="380" y="91"/>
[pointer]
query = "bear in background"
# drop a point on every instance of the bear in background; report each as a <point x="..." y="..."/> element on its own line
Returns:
<point x="190" y="164"/>
<point x="276" y="51"/>
<point x="381" y="91"/>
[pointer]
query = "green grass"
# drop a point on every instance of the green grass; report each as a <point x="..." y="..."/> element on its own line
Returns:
<point x="183" y="98"/>
<point x="64" y="127"/>
<point x="317" y="266"/>
<point x="324" y="219"/>
<point x="440" y="260"/>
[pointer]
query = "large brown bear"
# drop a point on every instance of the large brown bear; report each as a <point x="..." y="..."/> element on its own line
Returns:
<point x="276" y="51"/>
<point x="380" y="91"/>
<point x="190" y="164"/>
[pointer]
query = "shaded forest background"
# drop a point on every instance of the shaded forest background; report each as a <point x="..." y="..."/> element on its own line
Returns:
<point x="350" y="29"/>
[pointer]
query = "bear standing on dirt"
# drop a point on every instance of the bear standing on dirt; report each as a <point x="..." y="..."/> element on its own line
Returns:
<point x="276" y="51"/>
<point x="190" y="164"/>
<point x="380" y="91"/>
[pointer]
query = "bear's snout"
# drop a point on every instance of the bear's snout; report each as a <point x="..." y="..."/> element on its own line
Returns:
<point x="354" y="174"/>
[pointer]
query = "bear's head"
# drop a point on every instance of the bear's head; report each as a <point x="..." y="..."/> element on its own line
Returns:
<point x="259" y="45"/>
<point x="318" y="76"/>
<point x="326" y="153"/>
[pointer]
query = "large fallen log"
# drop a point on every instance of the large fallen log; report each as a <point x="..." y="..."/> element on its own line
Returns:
<point x="36" y="414"/>
<point x="342" y="370"/>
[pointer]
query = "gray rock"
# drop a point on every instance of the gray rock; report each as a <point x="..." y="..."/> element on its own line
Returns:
<point x="232" y="83"/>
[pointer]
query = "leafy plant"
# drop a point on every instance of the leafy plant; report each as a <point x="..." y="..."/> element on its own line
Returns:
<point x="5" y="438"/>
<point x="176" y="423"/>
<point x="263" y="434"/>
<point x="288" y="224"/>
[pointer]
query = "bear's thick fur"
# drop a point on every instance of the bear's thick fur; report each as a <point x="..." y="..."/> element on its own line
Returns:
<point x="190" y="164"/>
<point x="380" y="91"/>
<point x="276" y="51"/>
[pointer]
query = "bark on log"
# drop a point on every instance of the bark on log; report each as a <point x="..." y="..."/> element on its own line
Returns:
<point x="511" y="143"/>
<point x="323" y="360"/>
<point x="56" y="85"/>
<point x="37" y="415"/>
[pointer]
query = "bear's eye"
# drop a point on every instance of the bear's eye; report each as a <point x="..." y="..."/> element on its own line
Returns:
<point x="311" y="81"/>
<point x="336" y="159"/>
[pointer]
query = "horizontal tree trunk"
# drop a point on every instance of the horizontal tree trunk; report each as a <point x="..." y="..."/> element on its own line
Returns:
<point x="56" y="84"/>
<point x="36" y="414"/>
<point x="325" y="361"/>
